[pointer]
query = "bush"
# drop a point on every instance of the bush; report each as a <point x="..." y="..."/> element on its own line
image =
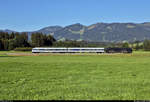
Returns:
<point x="125" y="45"/>
<point x="23" y="49"/>
<point x="146" y="45"/>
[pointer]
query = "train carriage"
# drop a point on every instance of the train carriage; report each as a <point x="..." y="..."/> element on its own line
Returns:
<point x="49" y="50"/>
<point x="84" y="50"/>
<point x="67" y="50"/>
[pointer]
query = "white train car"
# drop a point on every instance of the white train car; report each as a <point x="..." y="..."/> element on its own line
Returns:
<point x="88" y="50"/>
<point x="49" y="50"/>
<point x="68" y="50"/>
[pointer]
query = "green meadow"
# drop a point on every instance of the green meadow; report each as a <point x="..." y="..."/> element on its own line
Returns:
<point x="75" y="77"/>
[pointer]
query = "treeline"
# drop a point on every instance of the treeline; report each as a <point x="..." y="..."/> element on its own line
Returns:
<point x="71" y="43"/>
<point x="20" y="40"/>
<point x="13" y="40"/>
<point x="138" y="45"/>
<point x="40" y="40"/>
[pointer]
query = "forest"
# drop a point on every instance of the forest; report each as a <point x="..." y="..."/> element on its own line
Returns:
<point x="16" y="40"/>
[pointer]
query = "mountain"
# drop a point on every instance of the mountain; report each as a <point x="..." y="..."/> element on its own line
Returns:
<point x="105" y="32"/>
<point x="71" y="32"/>
<point x="7" y="30"/>
<point x="117" y="32"/>
<point x="50" y="29"/>
<point x="47" y="30"/>
<point x="99" y="32"/>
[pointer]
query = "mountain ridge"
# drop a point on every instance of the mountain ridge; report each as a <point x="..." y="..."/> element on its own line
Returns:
<point x="98" y="32"/>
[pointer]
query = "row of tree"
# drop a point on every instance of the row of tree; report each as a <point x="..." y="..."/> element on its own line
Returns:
<point x="15" y="39"/>
<point x="39" y="40"/>
<point x="137" y="45"/>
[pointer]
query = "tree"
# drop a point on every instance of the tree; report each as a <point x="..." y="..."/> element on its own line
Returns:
<point x="11" y="44"/>
<point x="6" y="44"/>
<point x="21" y="40"/>
<point x="125" y="45"/>
<point x="4" y="35"/>
<point x="1" y="45"/>
<point x="146" y="45"/>
<point x="13" y="40"/>
<point x="40" y="39"/>
<point x="37" y="39"/>
<point x="49" y="40"/>
<point x="12" y="35"/>
<point x="33" y="39"/>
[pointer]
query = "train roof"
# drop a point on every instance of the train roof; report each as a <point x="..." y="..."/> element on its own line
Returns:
<point x="85" y="48"/>
<point x="67" y="48"/>
<point x="47" y="48"/>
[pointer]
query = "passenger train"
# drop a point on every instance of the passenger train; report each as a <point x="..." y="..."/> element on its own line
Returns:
<point x="81" y="50"/>
<point x="67" y="50"/>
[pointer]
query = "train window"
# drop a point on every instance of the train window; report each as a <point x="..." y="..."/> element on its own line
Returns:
<point x="41" y="49"/>
<point x="76" y="49"/>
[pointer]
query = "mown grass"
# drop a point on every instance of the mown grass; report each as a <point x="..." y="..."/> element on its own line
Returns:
<point x="75" y="77"/>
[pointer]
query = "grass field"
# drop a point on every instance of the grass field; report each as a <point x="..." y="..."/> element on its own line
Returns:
<point x="75" y="77"/>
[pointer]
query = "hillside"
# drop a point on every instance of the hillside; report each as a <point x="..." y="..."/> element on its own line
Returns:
<point x="100" y="32"/>
<point x="105" y="32"/>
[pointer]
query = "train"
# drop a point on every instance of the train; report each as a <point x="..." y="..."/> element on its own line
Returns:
<point x="118" y="50"/>
<point x="81" y="50"/>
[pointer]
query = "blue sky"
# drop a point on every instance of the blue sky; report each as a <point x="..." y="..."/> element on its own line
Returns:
<point x="30" y="15"/>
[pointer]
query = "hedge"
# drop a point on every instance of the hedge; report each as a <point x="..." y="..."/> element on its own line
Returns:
<point x="23" y="49"/>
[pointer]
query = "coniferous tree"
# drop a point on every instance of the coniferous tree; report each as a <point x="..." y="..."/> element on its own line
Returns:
<point x="6" y="44"/>
<point x="11" y="44"/>
<point x="0" y="45"/>
<point x="39" y="40"/>
<point x="12" y="35"/>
